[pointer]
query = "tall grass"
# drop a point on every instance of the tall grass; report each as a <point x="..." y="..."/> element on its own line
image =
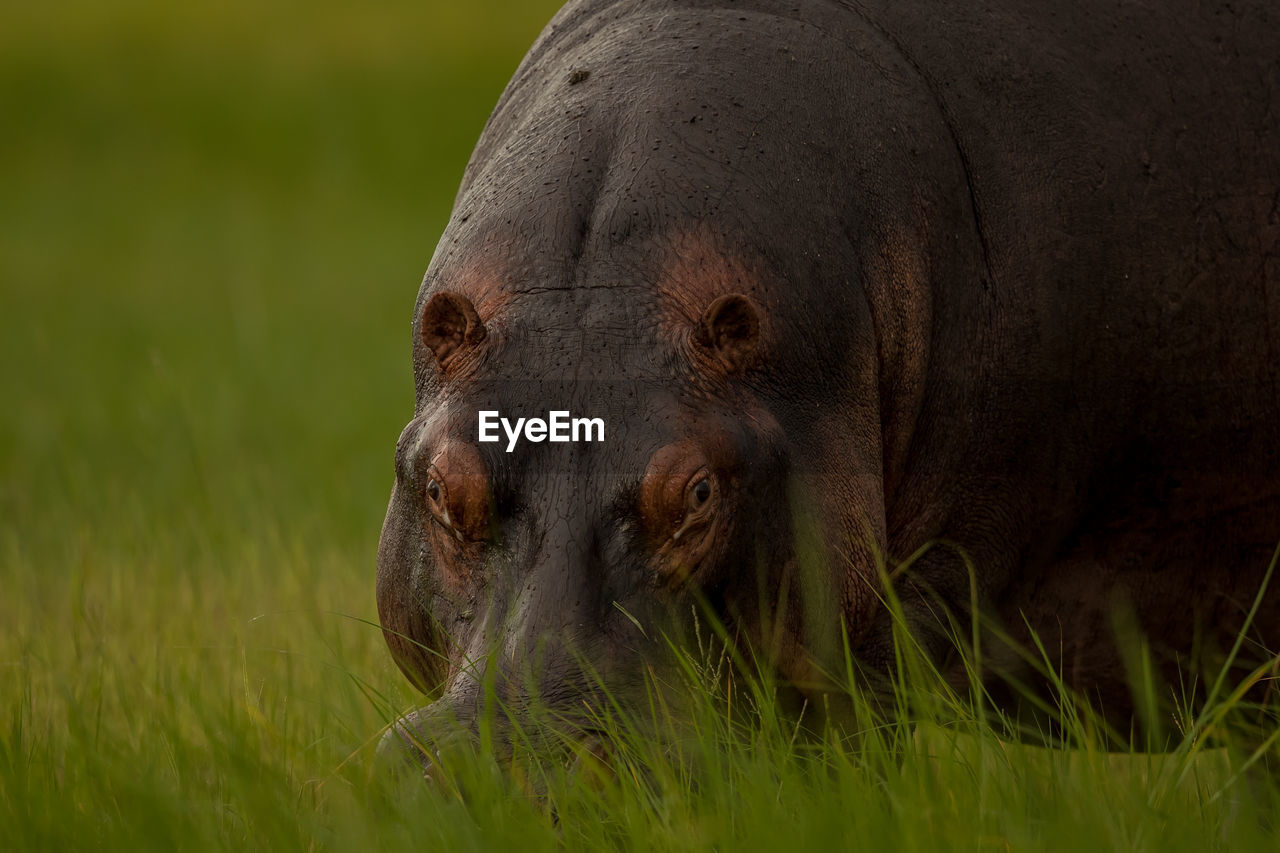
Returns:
<point x="213" y="218"/>
<point x="711" y="756"/>
<point x="263" y="736"/>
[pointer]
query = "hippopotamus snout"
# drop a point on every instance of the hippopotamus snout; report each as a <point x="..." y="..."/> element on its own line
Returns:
<point x="412" y="742"/>
<point x="534" y="591"/>
<point x="436" y="737"/>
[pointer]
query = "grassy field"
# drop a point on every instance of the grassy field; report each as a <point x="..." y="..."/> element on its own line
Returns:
<point x="213" y="221"/>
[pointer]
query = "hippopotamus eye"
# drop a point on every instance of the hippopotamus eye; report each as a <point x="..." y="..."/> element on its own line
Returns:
<point x="457" y="493"/>
<point x="679" y="495"/>
<point x="698" y="493"/>
<point x="439" y="505"/>
<point x="701" y="492"/>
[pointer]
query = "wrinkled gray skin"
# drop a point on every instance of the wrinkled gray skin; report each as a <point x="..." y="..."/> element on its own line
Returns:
<point x="1017" y="276"/>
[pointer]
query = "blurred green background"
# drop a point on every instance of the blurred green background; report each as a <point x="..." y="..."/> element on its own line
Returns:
<point x="214" y="217"/>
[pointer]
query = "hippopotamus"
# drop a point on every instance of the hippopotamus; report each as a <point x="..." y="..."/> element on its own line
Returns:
<point x="972" y="309"/>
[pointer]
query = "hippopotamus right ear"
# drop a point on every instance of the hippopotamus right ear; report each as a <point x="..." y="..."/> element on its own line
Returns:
<point x="449" y="324"/>
<point x="730" y="329"/>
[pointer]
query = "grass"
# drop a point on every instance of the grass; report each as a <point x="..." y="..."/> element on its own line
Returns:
<point x="213" y="219"/>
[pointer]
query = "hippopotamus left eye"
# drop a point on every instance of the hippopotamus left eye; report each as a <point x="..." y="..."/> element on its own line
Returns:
<point x="698" y="494"/>
<point x="680" y="502"/>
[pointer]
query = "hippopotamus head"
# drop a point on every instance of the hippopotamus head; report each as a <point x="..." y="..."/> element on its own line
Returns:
<point x="555" y="568"/>
<point x="643" y="238"/>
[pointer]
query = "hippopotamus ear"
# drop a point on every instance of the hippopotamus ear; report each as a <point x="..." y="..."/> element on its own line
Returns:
<point x="730" y="328"/>
<point x="449" y="323"/>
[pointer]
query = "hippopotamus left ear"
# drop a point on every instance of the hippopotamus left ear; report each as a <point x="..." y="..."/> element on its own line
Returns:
<point x="730" y="328"/>
<point x="449" y="323"/>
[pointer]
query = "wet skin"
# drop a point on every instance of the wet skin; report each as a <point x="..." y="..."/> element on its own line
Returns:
<point x="1007" y="281"/>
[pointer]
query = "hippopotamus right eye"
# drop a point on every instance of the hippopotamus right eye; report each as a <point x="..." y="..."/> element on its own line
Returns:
<point x="457" y="492"/>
